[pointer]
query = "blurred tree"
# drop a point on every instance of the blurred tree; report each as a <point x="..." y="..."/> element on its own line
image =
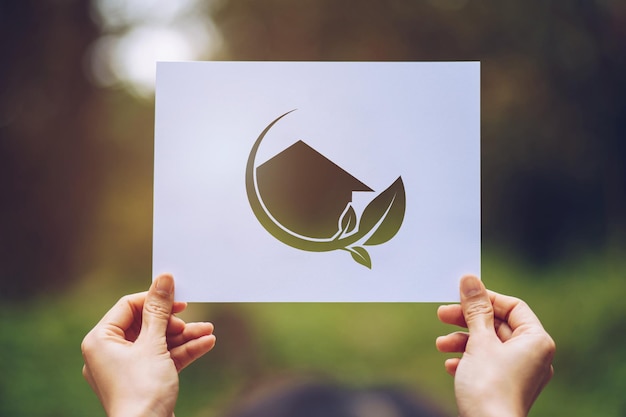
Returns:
<point x="75" y="161"/>
<point x="553" y="122"/>
<point x="49" y="170"/>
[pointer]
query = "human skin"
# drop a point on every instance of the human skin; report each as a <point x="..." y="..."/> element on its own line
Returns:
<point x="506" y="353"/>
<point x="133" y="355"/>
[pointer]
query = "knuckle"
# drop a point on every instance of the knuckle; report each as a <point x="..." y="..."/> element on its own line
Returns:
<point x="548" y="346"/>
<point x="126" y="299"/>
<point x="521" y="304"/>
<point x="157" y="309"/>
<point x="87" y="345"/>
<point x="477" y="309"/>
<point x="543" y="349"/>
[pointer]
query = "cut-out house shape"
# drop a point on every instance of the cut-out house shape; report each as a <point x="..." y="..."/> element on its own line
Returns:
<point x="305" y="191"/>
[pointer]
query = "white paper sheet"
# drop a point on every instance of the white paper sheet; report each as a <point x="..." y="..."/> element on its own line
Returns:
<point x="261" y="228"/>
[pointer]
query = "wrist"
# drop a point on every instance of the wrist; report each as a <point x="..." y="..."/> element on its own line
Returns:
<point x="492" y="409"/>
<point x="139" y="409"/>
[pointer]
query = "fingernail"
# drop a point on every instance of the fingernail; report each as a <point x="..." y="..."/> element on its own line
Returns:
<point x="471" y="286"/>
<point x="165" y="284"/>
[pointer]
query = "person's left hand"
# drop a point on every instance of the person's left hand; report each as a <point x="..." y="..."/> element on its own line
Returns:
<point x="133" y="355"/>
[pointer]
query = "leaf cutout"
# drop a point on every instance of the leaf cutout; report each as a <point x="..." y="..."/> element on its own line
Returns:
<point x="385" y="213"/>
<point x="360" y="255"/>
<point x="347" y="223"/>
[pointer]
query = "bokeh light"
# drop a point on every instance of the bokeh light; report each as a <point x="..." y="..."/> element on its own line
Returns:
<point x="138" y="33"/>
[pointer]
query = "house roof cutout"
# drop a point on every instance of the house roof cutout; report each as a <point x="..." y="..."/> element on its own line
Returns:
<point x="305" y="191"/>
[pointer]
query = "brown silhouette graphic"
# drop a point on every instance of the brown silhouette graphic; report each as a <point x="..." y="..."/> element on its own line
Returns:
<point x="303" y="200"/>
<point x="305" y="191"/>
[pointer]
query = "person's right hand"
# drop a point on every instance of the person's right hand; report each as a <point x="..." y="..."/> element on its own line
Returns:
<point x="507" y="354"/>
<point x="133" y="355"/>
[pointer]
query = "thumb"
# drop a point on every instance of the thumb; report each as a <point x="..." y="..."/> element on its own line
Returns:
<point x="157" y="308"/>
<point x="476" y="305"/>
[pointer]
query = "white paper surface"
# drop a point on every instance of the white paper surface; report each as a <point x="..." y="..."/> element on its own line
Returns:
<point x="375" y="121"/>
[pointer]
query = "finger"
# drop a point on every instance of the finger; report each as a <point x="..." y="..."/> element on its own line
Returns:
<point x="190" y="332"/>
<point x="451" y="365"/>
<point x="158" y="308"/>
<point x="502" y="304"/>
<point x="186" y="353"/>
<point x="503" y="330"/>
<point x="518" y="315"/>
<point x="454" y="342"/>
<point x="126" y="315"/>
<point x="179" y="307"/>
<point x="476" y="306"/>
<point x="123" y="314"/>
<point x="175" y="326"/>
<point x="451" y="314"/>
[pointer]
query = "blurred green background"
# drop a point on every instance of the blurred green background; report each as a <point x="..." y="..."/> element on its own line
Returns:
<point x="76" y="148"/>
